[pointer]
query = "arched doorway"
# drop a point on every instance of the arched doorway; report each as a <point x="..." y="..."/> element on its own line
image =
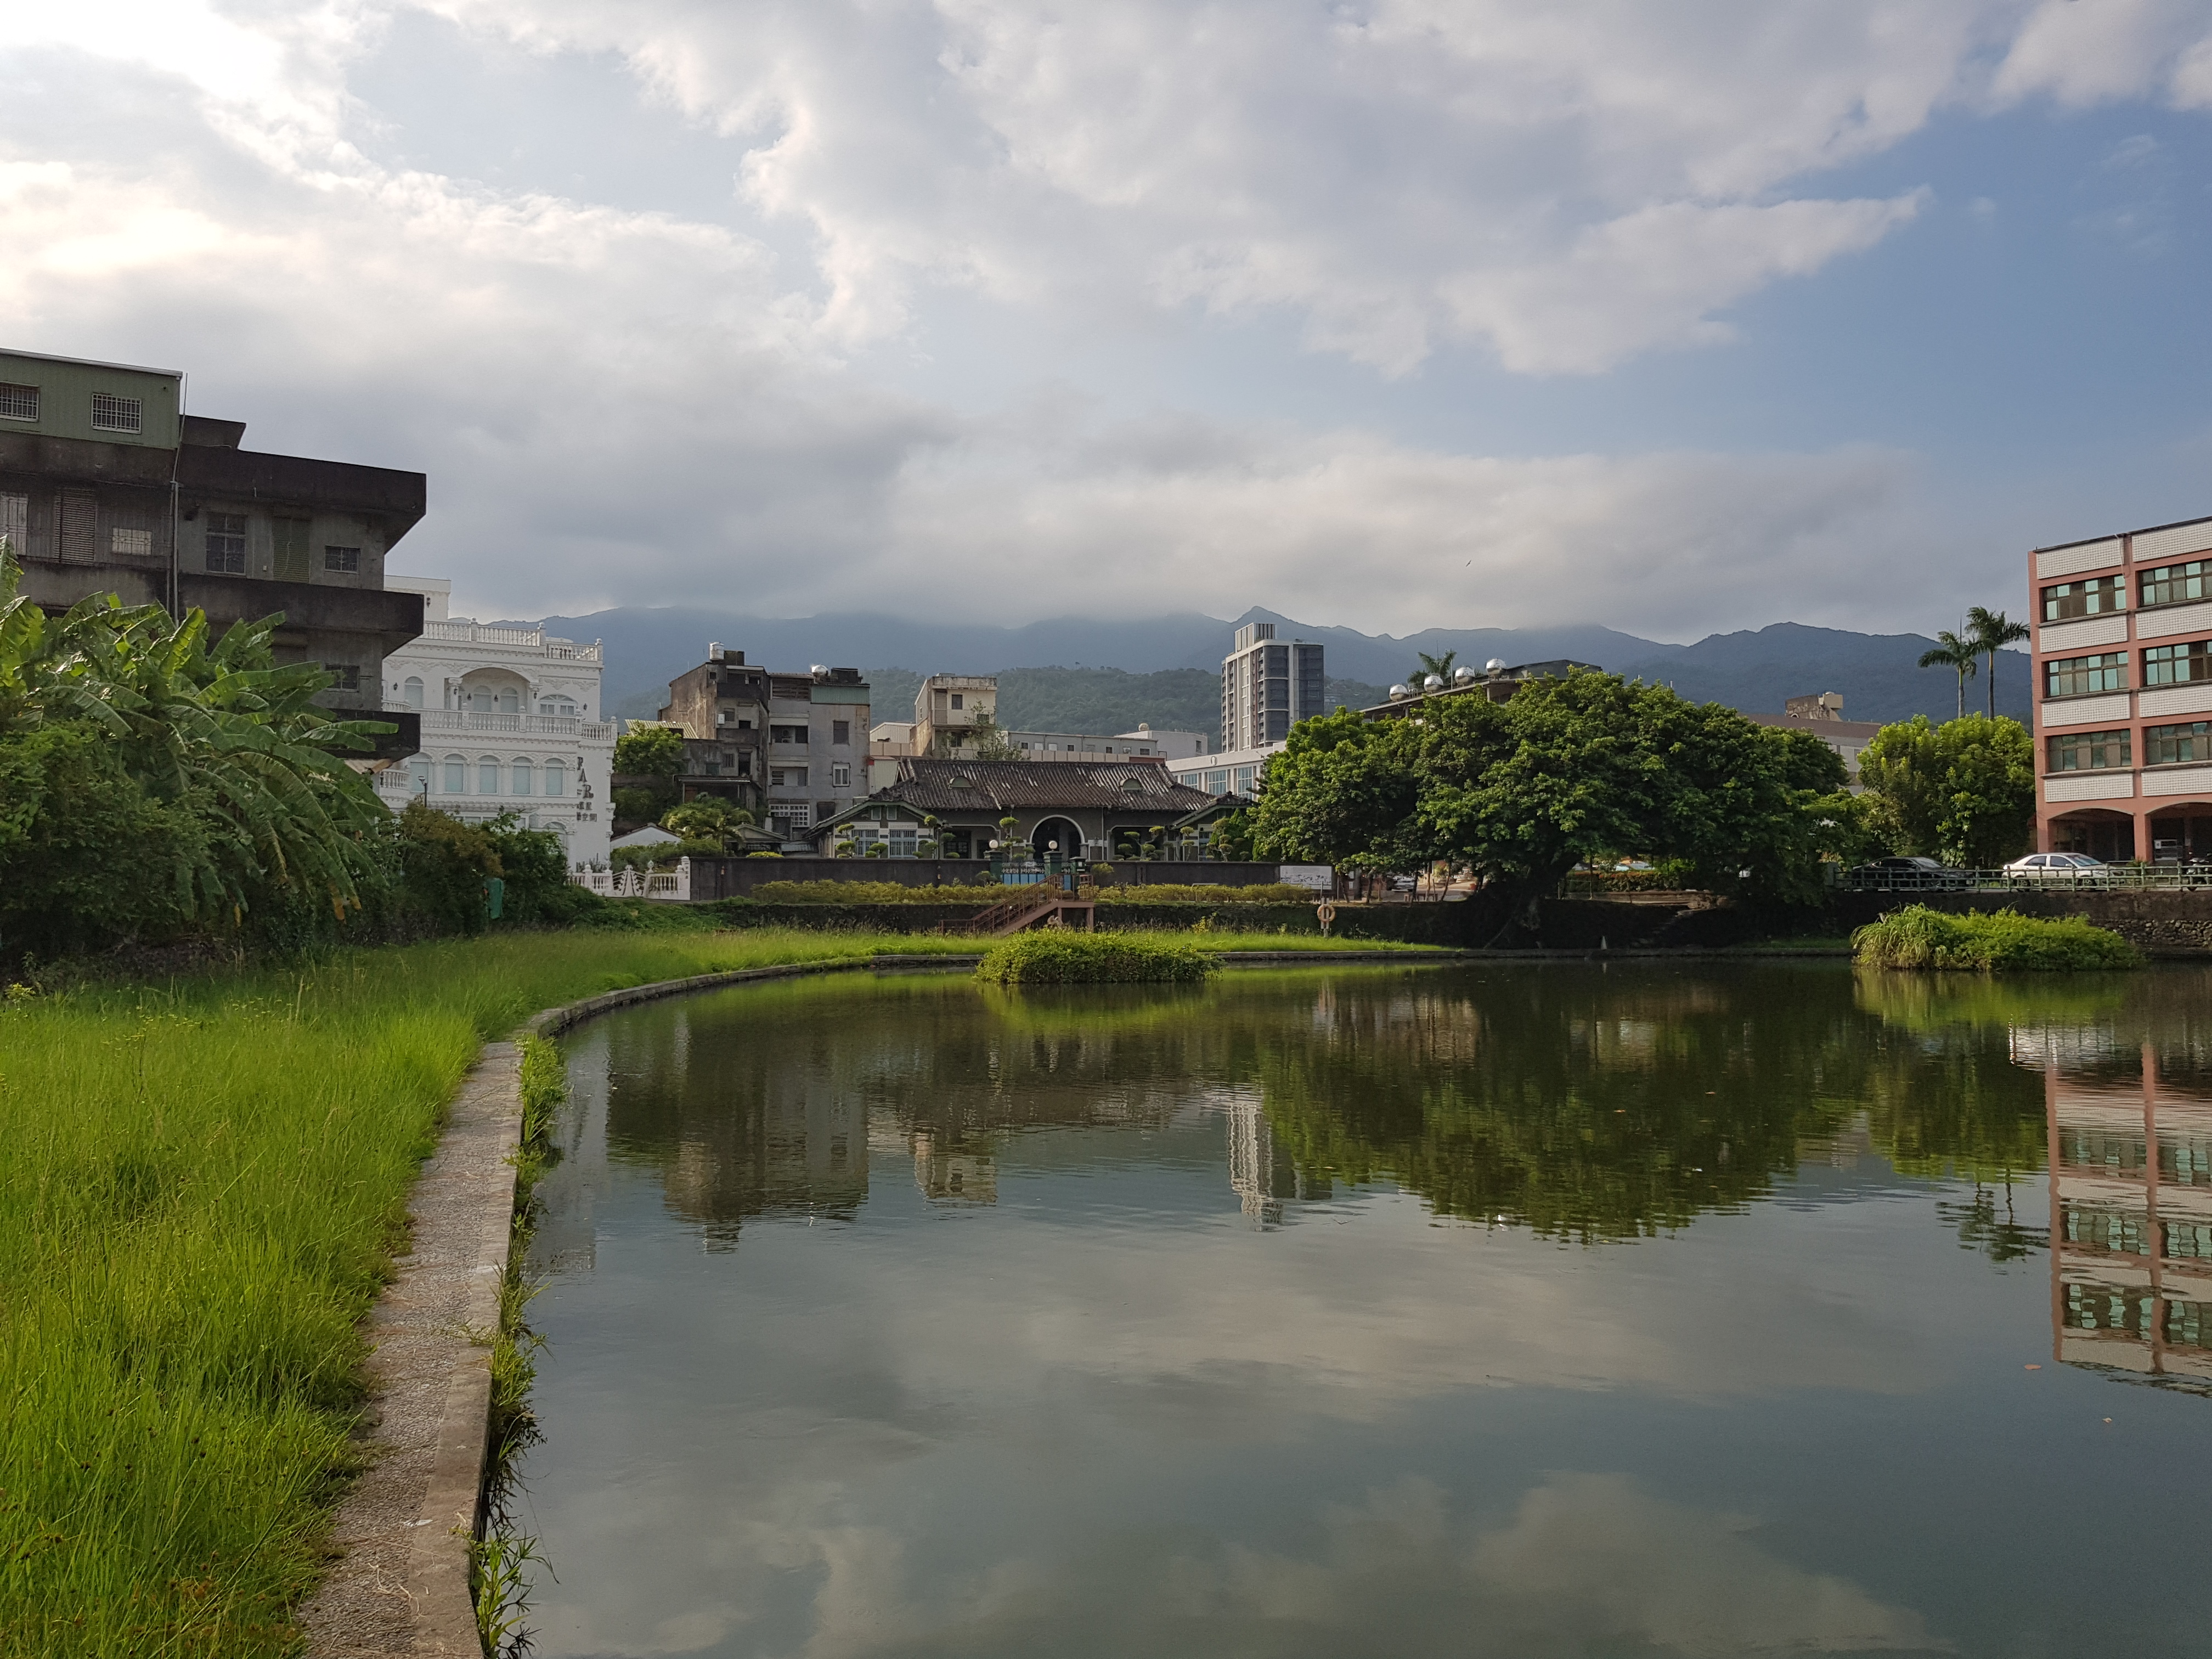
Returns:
<point x="2181" y="832"/>
<point x="1056" y="839"/>
<point x="2098" y="831"/>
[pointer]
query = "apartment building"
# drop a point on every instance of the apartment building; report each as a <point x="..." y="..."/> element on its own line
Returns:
<point x="108" y="485"/>
<point x="511" y="723"/>
<point x="1822" y="714"/>
<point x="2123" y="663"/>
<point x="1269" y="687"/>
<point x="791" y="747"/>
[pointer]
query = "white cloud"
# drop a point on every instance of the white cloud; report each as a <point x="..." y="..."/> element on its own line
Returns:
<point x="621" y="406"/>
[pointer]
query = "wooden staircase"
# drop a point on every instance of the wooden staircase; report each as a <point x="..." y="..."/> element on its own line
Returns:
<point x="1048" y="898"/>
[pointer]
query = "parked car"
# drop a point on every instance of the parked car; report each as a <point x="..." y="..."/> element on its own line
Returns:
<point x="1909" y="873"/>
<point x="2075" y="869"/>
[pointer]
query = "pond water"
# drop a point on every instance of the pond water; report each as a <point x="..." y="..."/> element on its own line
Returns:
<point x="1500" y="1311"/>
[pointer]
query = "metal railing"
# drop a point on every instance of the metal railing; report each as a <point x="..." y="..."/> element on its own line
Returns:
<point x="2140" y="878"/>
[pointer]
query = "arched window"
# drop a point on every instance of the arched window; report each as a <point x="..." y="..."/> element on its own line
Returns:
<point x="524" y="777"/>
<point x="487" y="775"/>
<point x="457" y="775"/>
<point x="556" y="778"/>
<point x="418" y="777"/>
<point x="411" y="692"/>
<point x="510" y="700"/>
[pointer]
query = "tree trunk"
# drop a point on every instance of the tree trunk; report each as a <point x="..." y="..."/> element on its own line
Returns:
<point x="1993" y="683"/>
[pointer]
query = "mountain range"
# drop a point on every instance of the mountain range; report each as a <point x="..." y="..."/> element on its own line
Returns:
<point x="1088" y="674"/>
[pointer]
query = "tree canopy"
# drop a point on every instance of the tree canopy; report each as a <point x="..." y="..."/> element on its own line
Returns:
<point x="650" y="751"/>
<point x="1963" y="792"/>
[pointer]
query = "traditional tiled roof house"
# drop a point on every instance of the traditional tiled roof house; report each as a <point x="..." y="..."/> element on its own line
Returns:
<point x="1071" y="809"/>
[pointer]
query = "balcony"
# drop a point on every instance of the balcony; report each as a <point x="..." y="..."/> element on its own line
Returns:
<point x="455" y="721"/>
<point x="526" y="639"/>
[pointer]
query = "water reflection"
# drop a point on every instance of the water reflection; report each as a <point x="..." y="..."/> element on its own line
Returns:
<point x="1554" y="1312"/>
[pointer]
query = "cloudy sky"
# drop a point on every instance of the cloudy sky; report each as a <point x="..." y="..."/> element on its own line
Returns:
<point x="1385" y="313"/>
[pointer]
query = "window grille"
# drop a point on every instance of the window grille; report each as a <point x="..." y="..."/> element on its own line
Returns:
<point x="132" y="543"/>
<point x="841" y="731"/>
<point x="225" y="544"/>
<point x="2177" y="665"/>
<point x="19" y="402"/>
<point x="112" y="414"/>
<point x="341" y="561"/>
<point x="2075" y="676"/>
<point x="2175" y="745"/>
<point x="344" y="675"/>
<point x="2090" y="752"/>
<point x="15" y="523"/>
<point x="2178" y="584"/>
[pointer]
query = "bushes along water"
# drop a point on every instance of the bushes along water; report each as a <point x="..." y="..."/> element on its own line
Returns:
<point x="2004" y="942"/>
<point x="1054" y="956"/>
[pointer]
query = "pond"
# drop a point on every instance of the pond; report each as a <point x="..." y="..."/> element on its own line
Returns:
<point x="1491" y="1311"/>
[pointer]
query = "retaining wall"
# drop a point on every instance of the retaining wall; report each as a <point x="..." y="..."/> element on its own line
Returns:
<point x="2164" y="922"/>
<point x="1414" y="924"/>
<point x="713" y="877"/>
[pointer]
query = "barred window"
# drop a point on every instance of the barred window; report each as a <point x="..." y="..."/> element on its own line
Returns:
<point x="112" y="414"/>
<point x="19" y="402"/>
<point x="2090" y="752"/>
<point x="2177" y="665"/>
<point x="2065" y="601"/>
<point x="341" y="561"/>
<point x="344" y="675"/>
<point x="2075" y="676"/>
<point x="225" y="544"/>
<point x="15" y="523"/>
<point x="136" y="543"/>
<point x="2176" y="584"/>
<point x="2173" y="745"/>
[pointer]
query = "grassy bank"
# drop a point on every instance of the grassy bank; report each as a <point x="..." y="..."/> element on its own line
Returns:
<point x="2004" y="941"/>
<point x="200" y="1184"/>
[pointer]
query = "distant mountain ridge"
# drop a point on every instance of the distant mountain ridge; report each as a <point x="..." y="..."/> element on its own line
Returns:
<point x="1127" y="676"/>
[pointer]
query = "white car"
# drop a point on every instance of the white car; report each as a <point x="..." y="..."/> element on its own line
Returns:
<point x="2077" y="869"/>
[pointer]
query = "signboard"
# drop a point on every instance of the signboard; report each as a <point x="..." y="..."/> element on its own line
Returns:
<point x="1319" y="876"/>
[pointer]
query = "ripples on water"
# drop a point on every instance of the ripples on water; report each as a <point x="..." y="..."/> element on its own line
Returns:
<point x="1494" y="1312"/>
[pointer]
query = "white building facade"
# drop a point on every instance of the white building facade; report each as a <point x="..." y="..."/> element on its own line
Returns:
<point x="511" y="723"/>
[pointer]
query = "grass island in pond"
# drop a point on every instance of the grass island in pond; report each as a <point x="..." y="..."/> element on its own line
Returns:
<point x="1060" y="956"/>
<point x="1919" y="935"/>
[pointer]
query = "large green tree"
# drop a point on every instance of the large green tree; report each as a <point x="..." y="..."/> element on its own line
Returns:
<point x="1345" y="791"/>
<point x="1963" y="792"/>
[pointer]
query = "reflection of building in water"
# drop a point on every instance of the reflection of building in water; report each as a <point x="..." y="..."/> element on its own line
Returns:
<point x="2131" y="1224"/>
<point x="951" y="1177"/>
<point x="1262" y="1175"/>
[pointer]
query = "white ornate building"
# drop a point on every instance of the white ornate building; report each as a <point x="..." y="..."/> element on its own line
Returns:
<point x="511" y="723"/>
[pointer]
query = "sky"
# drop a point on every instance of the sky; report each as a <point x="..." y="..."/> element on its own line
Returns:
<point x="1385" y="314"/>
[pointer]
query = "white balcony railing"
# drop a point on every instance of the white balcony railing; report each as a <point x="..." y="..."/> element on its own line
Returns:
<point x="547" y="726"/>
<point x="530" y="639"/>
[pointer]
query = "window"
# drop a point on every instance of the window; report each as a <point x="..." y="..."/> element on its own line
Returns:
<point x="556" y="778"/>
<point x="344" y="675"/>
<point x="558" y="705"/>
<point x="457" y="775"/>
<point x="2177" y="665"/>
<point x="786" y="734"/>
<point x="841" y="776"/>
<point x="1217" y="783"/>
<point x="2066" y="601"/>
<point x="786" y="777"/>
<point x="901" y="843"/>
<point x="487" y="776"/>
<point x="341" y="561"/>
<point x="744" y="762"/>
<point x="15" y="522"/>
<point x="524" y="777"/>
<point x="418" y="777"/>
<point x="112" y="414"/>
<point x="958" y="701"/>
<point x="411" y="693"/>
<point x="2173" y="745"/>
<point x="19" y="402"/>
<point x="2176" y="584"/>
<point x="225" y="544"/>
<point x="2090" y="752"/>
<point x="2076" y="677"/>
<point x="132" y="544"/>
<point x="841" y="731"/>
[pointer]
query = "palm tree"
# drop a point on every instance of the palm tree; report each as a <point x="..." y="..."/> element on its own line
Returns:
<point x="1992" y="631"/>
<point x="1954" y="652"/>
<point x="1441" y="666"/>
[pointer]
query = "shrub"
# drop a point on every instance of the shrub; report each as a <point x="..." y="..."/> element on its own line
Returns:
<point x="1176" y="892"/>
<point x="861" y="892"/>
<point x="1056" y="956"/>
<point x="1919" y="936"/>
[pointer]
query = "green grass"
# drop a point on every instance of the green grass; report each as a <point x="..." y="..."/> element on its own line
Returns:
<point x="2004" y="941"/>
<point x="201" y="1184"/>
<point x="1058" y="956"/>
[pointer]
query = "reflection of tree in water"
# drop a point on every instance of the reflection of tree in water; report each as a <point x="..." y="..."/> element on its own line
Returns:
<point x="1598" y="1107"/>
